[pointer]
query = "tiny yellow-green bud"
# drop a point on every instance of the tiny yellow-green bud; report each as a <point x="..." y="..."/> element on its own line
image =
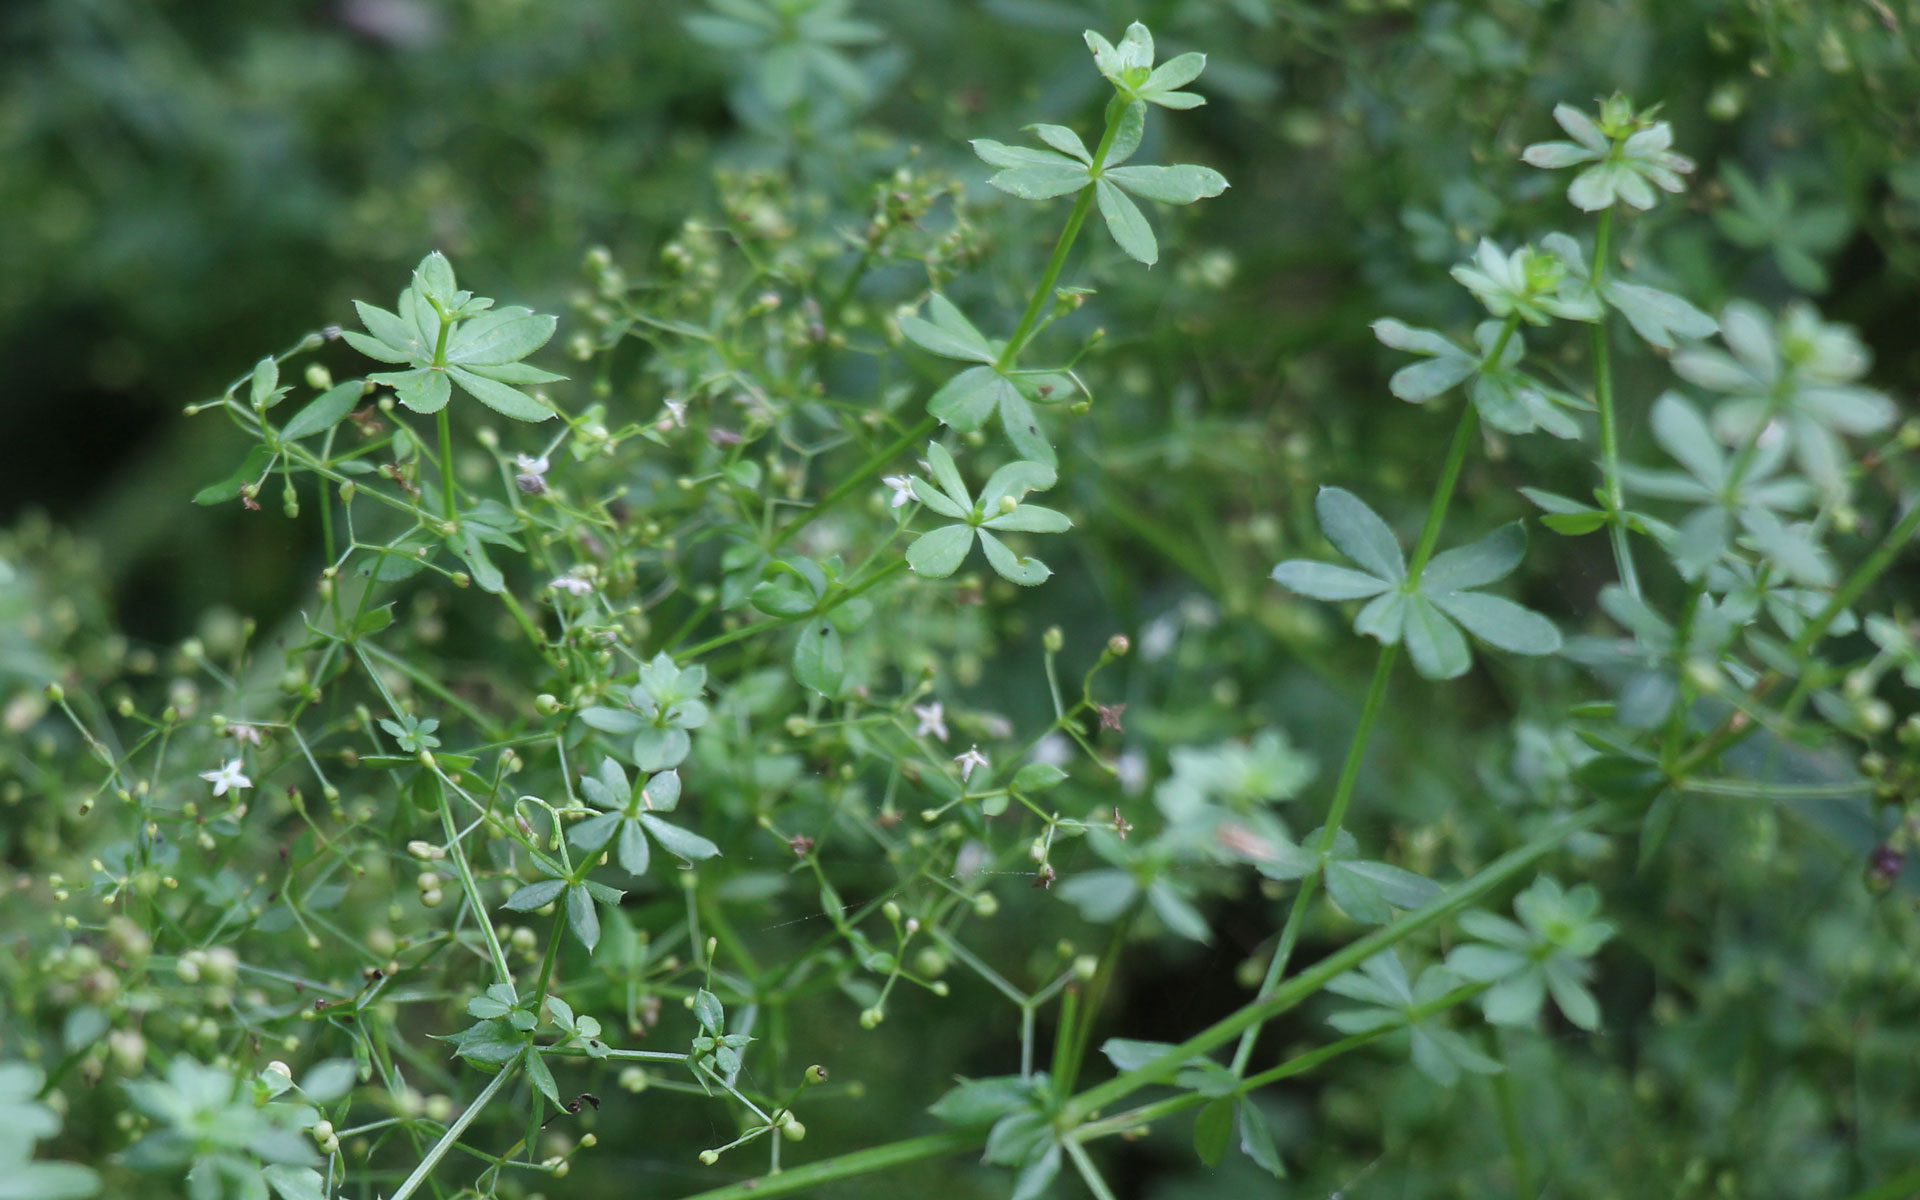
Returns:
<point x="1053" y="639"/>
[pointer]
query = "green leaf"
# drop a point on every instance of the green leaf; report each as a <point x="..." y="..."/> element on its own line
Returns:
<point x="1433" y="642"/>
<point x="675" y="840"/>
<point x="1042" y="182"/>
<point x="1212" y="1130"/>
<point x="1325" y="581"/>
<point x="265" y="390"/>
<point x="1100" y="896"/>
<point x="982" y="1101"/>
<point x="1034" y="1178"/>
<point x="1030" y="518"/>
<point x="1256" y="1139"/>
<point x="1023" y="570"/>
<point x="1015" y="479"/>
<point x="633" y="850"/>
<point x="969" y="398"/>
<point x="1181" y="184"/>
<point x="708" y="1011"/>
<point x="818" y="661"/>
<point x="48" y="1181"/>
<point x="324" y="413"/>
<point x="1477" y="563"/>
<point x="294" y="1183"/>
<point x="251" y="468"/>
<point x="1126" y="137"/>
<point x="434" y="278"/>
<point x="502" y="336"/>
<point x="328" y="1081"/>
<point x="423" y="390"/>
<point x="1037" y="777"/>
<point x="1023" y="428"/>
<point x="582" y="918"/>
<point x="535" y="895"/>
<point x="1127" y="224"/>
<point x="938" y="554"/>
<point x="1065" y="140"/>
<point x="1500" y="623"/>
<point x="949" y="333"/>
<point x="505" y="400"/>
<point x="1358" y="532"/>
<point x="394" y="340"/>
<point x="1179" y="916"/>
<point x="1128" y="1054"/>
<point x="947" y="475"/>
<point x="542" y="1076"/>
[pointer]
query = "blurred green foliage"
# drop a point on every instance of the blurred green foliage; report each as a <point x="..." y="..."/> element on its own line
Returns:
<point x="188" y="183"/>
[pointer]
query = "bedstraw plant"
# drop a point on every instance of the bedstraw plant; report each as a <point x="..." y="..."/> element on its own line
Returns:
<point x="716" y="781"/>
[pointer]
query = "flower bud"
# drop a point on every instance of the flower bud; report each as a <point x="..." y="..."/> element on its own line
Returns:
<point x="1053" y="640"/>
<point x="1118" y="645"/>
<point x="546" y="704"/>
<point x="816" y="1074"/>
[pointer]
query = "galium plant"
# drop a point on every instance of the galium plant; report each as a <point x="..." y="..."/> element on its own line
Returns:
<point x="721" y="601"/>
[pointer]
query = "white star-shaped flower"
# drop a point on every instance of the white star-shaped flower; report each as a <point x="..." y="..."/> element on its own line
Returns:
<point x="933" y="720"/>
<point x="228" y="776"/>
<point x="677" y="412"/>
<point x="531" y="466"/>
<point x="902" y="489"/>
<point x="245" y="733"/>
<point x="572" y="584"/>
<point x="968" y="761"/>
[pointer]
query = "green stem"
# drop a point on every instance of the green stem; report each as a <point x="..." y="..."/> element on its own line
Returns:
<point x="847" y="1166"/>
<point x="452" y="1135"/>
<point x="1616" y="495"/>
<point x="1310" y="981"/>
<point x="1342" y="795"/>
<point x="865" y="472"/>
<point x="445" y="427"/>
<point x="470" y="887"/>
<point x="1443" y="491"/>
<point x="1370" y="707"/>
<point x="1082" y="205"/>
<point x="1516" y="1137"/>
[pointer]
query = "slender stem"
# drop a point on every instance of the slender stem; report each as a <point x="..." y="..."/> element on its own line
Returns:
<point x="1089" y="1174"/>
<point x="846" y="1166"/>
<point x="452" y="1135"/>
<point x="1443" y="491"/>
<point x="1342" y="795"/>
<point x="1609" y="420"/>
<point x="1515" y="1135"/>
<point x="1310" y="981"/>
<point x="445" y="427"/>
<point x="1370" y="707"/>
<point x="876" y="463"/>
<point x="470" y="887"/>
<point x="1096" y="993"/>
<point x="1082" y="205"/>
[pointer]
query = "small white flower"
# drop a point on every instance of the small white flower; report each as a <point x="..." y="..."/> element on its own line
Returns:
<point x="245" y="733"/>
<point x="933" y="720"/>
<point x="531" y="466"/>
<point x="228" y="776"/>
<point x="573" y="585"/>
<point x="968" y="761"/>
<point x="1131" y="770"/>
<point x="902" y="490"/>
<point x="677" y="413"/>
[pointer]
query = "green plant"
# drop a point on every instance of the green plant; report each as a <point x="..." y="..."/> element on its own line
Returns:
<point x="722" y="617"/>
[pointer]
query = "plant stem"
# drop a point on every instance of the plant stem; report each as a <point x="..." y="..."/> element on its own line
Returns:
<point x="1342" y="795"/>
<point x="1609" y="420"/>
<point x="445" y="427"/>
<point x="470" y="887"/>
<point x="1082" y="205"/>
<point x="1369" y="709"/>
<point x="452" y="1135"/>
<point x="1308" y="982"/>
<point x="846" y="1166"/>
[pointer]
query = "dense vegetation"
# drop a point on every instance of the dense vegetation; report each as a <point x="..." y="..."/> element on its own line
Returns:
<point x="907" y="599"/>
